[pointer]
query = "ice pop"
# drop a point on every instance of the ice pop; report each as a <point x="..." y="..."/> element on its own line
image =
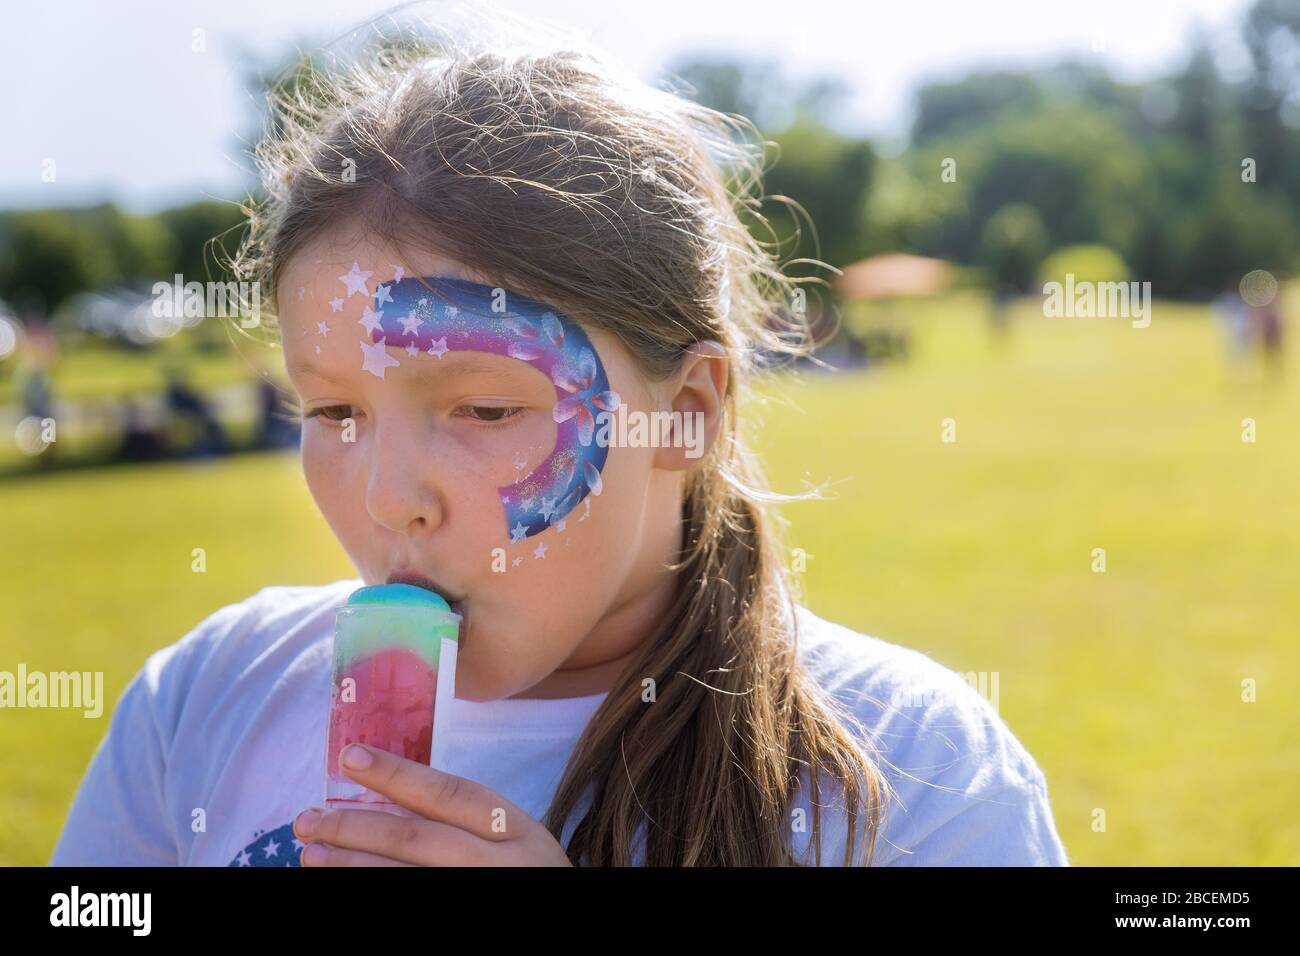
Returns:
<point x="393" y="680"/>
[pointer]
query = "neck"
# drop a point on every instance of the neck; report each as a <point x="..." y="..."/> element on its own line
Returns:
<point x="607" y="651"/>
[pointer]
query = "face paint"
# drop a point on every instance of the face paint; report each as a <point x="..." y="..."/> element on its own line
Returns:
<point x="437" y="315"/>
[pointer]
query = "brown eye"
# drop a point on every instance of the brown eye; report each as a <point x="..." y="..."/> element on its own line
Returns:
<point x="493" y="413"/>
<point x="333" y="413"/>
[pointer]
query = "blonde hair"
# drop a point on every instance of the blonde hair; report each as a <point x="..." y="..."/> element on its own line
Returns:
<point x="620" y="204"/>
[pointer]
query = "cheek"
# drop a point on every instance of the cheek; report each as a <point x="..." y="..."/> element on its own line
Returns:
<point x="325" y="468"/>
<point x="499" y="457"/>
<point x="585" y="564"/>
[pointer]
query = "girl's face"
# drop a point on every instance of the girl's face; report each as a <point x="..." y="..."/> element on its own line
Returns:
<point x="439" y="432"/>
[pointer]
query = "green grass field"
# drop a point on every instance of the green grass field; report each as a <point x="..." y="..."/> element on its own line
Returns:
<point x="1076" y="435"/>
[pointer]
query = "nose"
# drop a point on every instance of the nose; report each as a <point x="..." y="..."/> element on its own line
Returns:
<point x="402" y="491"/>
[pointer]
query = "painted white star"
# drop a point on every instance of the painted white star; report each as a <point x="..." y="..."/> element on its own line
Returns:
<point x="528" y="503"/>
<point x="412" y="349"/>
<point x="318" y="350"/>
<point x="272" y="849"/>
<point x="451" y="311"/>
<point x="516" y="562"/>
<point x="439" y="348"/>
<point x="424" y="302"/>
<point x="548" y="508"/>
<point x="355" y="280"/>
<point x="336" y="304"/>
<point x="322" y="328"/>
<point x="302" y="291"/>
<point x="559" y="525"/>
<point x="382" y="295"/>
<point x="370" y="319"/>
<point x="539" y="551"/>
<point x="398" y="272"/>
<point x="411" y="322"/>
<point x="518" y="533"/>
<point x="376" y="358"/>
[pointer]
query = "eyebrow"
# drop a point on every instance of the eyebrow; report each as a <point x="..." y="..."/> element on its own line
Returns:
<point x="466" y="363"/>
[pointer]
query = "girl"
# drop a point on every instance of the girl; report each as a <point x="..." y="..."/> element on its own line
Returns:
<point x="479" y="261"/>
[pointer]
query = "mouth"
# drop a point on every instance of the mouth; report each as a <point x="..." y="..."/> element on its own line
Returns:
<point x="457" y="604"/>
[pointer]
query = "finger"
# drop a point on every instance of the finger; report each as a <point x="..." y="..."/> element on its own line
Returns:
<point x="436" y="795"/>
<point x="408" y="839"/>
<point x="322" y="855"/>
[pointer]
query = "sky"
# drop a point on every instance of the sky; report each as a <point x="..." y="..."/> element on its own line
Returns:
<point x="132" y="105"/>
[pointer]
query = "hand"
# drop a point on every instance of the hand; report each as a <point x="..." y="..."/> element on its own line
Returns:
<point x="460" y="822"/>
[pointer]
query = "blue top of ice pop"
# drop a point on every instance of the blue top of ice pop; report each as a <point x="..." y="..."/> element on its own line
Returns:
<point x="407" y="595"/>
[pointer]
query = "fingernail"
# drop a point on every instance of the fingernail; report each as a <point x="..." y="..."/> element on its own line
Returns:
<point x="314" y="854"/>
<point x="305" y="825"/>
<point x="357" y="757"/>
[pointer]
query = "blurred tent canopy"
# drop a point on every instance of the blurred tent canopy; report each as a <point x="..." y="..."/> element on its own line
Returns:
<point x="893" y="275"/>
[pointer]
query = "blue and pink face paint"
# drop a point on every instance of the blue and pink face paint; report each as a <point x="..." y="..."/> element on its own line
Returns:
<point x="434" y="315"/>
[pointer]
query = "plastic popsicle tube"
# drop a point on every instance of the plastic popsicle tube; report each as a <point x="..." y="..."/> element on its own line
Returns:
<point x="393" y="679"/>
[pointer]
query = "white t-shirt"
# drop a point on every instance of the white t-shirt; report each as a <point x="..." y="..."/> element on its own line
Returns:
<point x="231" y="720"/>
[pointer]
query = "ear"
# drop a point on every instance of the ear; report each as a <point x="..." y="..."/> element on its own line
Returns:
<point x="697" y="391"/>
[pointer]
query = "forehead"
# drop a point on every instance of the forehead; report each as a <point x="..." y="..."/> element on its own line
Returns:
<point x="316" y="266"/>
<point x="330" y="284"/>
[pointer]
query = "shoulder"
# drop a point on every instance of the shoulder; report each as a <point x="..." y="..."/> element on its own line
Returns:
<point x="229" y="641"/>
<point x="962" y="788"/>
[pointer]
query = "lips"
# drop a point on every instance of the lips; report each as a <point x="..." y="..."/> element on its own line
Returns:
<point x="421" y="581"/>
<point x="457" y="605"/>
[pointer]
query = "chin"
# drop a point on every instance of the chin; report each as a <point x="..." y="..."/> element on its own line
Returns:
<point x="477" y="682"/>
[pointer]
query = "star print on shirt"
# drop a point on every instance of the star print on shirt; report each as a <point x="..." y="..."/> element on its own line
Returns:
<point x="278" y="847"/>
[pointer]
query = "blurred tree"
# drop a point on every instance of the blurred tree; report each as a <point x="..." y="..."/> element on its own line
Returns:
<point x="1013" y="245"/>
<point x="1232" y="232"/>
<point x="1087" y="263"/>
<point x="47" y="256"/>
<point x="738" y="86"/>
<point x="827" y="173"/>
<point x="956" y="108"/>
<point x="829" y="176"/>
<point x="1269" y="102"/>
<point x="204" y="233"/>
<point x="141" y="246"/>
